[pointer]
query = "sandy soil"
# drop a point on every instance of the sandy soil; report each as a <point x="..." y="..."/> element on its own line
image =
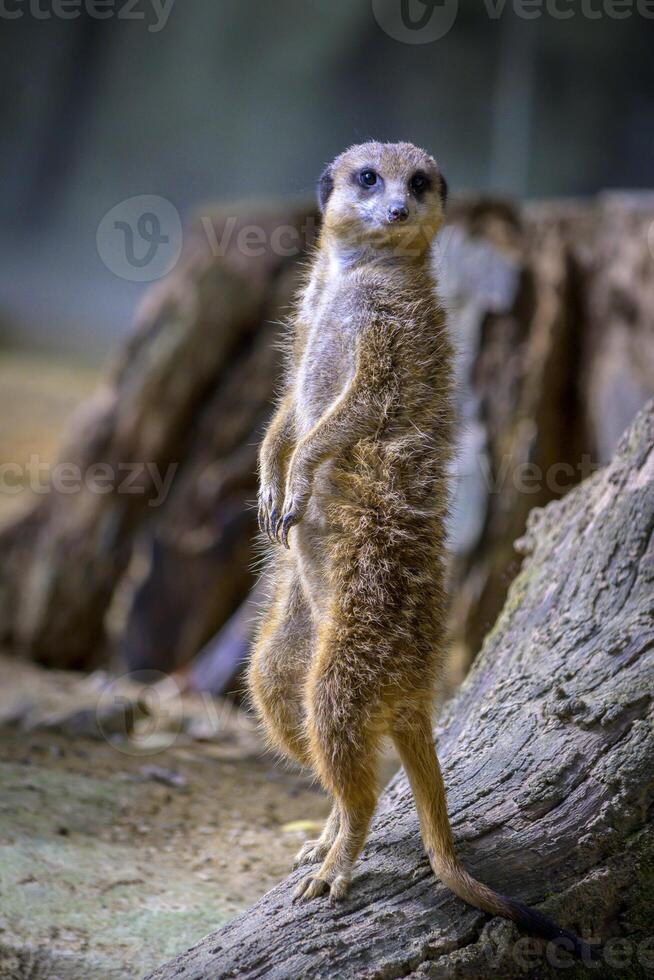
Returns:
<point x="116" y="854"/>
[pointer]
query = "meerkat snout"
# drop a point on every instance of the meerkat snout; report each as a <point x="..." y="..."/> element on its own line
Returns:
<point x="398" y="211"/>
<point x="383" y="194"/>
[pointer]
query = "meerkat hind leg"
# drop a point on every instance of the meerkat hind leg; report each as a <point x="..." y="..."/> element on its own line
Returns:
<point x="335" y="873"/>
<point x="278" y="667"/>
<point x="347" y="766"/>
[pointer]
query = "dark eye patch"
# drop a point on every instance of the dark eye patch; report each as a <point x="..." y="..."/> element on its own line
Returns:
<point x="368" y="177"/>
<point x="325" y="187"/>
<point x="420" y="183"/>
<point x="444" y="190"/>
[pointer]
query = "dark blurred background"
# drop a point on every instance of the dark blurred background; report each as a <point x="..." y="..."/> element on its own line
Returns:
<point x="197" y="100"/>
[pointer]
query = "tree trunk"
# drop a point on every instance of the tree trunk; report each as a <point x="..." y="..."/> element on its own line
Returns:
<point x="548" y="754"/>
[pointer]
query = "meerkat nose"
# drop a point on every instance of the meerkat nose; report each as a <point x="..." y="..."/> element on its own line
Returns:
<point x="398" y="211"/>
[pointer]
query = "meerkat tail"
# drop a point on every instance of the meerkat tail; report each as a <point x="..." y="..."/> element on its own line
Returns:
<point x="475" y="893"/>
<point x="416" y="749"/>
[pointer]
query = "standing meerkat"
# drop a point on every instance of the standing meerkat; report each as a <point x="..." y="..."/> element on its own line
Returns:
<point x="355" y="461"/>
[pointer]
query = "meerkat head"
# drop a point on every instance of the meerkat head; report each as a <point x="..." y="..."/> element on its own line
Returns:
<point x="383" y="195"/>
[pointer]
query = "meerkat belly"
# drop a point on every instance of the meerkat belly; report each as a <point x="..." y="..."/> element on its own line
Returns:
<point x="325" y="370"/>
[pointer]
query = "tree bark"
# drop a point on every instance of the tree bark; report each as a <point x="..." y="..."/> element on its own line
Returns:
<point x="548" y="754"/>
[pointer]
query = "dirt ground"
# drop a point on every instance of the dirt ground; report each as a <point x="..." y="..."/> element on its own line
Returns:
<point x="118" y="851"/>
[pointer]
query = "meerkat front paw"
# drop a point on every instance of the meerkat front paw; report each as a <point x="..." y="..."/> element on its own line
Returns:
<point x="269" y="510"/>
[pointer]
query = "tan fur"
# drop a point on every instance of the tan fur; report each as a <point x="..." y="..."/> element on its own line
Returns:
<point x="355" y="461"/>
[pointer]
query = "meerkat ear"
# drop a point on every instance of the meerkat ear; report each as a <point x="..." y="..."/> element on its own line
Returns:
<point x="325" y="187"/>
<point x="444" y="190"/>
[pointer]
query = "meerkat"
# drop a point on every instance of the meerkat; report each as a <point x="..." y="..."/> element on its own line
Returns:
<point x="353" y="496"/>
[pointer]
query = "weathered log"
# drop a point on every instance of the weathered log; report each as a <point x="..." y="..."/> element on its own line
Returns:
<point x="548" y="754"/>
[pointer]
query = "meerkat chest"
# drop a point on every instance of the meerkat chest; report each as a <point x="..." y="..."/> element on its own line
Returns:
<point x="327" y="363"/>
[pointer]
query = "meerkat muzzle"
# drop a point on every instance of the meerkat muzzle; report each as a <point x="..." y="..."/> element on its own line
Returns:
<point x="397" y="212"/>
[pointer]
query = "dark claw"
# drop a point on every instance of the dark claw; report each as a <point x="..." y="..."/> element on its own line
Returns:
<point x="287" y="524"/>
<point x="263" y="519"/>
<point x="272" y="525"/>
<point x="267" y="515"/>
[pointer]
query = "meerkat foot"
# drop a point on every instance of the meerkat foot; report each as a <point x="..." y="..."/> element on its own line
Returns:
<point x="311" y="852"/>
<point x="339" y="888"/>
<point x="313" y="886"/>
<point x="310" y="887"/>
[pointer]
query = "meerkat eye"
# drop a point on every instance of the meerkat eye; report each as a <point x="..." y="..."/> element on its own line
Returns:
<point x="419" y="183"/>
<point x="367" y="178"/>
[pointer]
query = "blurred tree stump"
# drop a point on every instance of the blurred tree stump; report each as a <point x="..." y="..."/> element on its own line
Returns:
<point x="552" y="309"/>
<point x="556" y="364"/>
<point x="548" y="753"/>
<point x="187" y="400"/>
